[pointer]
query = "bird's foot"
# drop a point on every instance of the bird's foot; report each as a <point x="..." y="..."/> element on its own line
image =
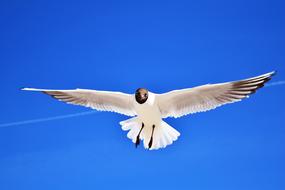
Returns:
<point x="137" y="141"/>
<point x="150" y="143"/>
<point x="138" y="137"/>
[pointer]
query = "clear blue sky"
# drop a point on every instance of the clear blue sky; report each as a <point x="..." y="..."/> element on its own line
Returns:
<point x="123" y="45"/>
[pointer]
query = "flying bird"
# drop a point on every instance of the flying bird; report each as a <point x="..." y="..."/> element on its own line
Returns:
<point x="148" y="109"/>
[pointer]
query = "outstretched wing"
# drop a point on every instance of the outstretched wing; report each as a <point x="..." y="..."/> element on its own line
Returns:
<point x="100" y="100"/>
<point x="178" y="103"/>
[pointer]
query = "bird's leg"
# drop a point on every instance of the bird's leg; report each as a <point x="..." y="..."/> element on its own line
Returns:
<point x="151" y="138"/>
<point x="138" y="137"/>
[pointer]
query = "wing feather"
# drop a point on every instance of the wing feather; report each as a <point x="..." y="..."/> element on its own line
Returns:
<point x="178" y="103"/>
<point x="100" y="100"/>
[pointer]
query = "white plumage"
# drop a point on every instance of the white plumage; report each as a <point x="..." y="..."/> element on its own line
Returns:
<point x="147" y="115"/>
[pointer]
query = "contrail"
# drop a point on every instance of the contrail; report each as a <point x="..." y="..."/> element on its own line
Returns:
<point x="32" y="121"/>
<point x="282" y="82"/>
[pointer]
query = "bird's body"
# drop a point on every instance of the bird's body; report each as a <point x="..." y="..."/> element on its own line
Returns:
<point x="148" y="109"/>
<point x="149" y="115"/>
<point x="148" y="112"/>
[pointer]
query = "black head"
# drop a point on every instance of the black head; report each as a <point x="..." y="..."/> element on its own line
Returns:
<point x="141" y="95"/>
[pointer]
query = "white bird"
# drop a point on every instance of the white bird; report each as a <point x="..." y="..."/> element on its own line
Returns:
<point x="147" y="109"/>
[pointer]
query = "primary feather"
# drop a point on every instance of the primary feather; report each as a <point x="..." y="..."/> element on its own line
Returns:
<point x="100" y="100"/>
<point x="178" y="103"/>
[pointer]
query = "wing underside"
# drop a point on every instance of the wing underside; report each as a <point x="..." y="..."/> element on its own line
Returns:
<point x="178" y="103"/>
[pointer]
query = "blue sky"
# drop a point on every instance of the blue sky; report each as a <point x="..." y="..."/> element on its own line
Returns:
<point x="123" y="45"/>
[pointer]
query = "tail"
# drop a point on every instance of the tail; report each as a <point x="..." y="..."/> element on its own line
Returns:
<point x="163" y="134"/>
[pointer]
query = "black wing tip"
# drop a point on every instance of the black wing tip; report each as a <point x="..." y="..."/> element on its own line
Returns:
<point x="270" y="75"/>
<point x="267" y="75"/>
<point x="242" y="85"/>
<point x="273" y="73"/>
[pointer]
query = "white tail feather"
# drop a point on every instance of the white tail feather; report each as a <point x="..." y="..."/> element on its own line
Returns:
<point x="163" y="135"/>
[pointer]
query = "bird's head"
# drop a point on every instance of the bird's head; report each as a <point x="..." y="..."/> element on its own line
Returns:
<point x="141" y="95"/>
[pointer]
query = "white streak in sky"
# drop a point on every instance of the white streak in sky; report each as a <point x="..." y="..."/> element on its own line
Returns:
<point x="32" y="121"/>
<point x="282" y="82"/>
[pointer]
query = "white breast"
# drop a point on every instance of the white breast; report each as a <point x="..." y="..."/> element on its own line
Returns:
<point x="148" y="112"/>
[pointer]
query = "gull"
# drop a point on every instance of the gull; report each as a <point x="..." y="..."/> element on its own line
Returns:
<point x="147" y="109"/>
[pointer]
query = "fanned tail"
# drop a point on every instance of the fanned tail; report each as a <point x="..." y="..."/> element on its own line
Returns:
<point x="133" y="126"/>
<point x="163" y="134"/>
